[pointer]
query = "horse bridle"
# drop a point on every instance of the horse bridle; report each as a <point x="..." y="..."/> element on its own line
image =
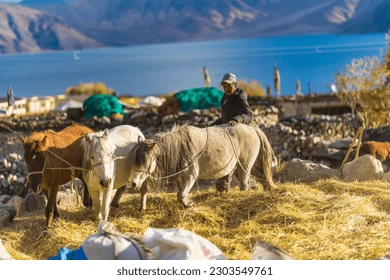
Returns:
<point x="34" y="173"/>
<point x="71" y="168"/>
<point x="113" y="158"/>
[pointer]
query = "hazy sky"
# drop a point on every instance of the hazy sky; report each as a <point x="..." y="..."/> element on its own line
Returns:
<point x="10" y="0"/>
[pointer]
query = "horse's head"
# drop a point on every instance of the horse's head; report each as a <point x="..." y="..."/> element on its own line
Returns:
<point x="143" y="162"/>
<point x="100" y="154"/>
<point x="35" y="160"/>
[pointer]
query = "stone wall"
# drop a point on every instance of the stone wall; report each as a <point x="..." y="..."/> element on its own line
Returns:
<point x="312" y="137"/>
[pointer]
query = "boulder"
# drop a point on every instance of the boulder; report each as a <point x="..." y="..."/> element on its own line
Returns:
<point x="17" y="203"/>
<point x="305" y="171"/>
<point x="363" y="168"/>
<point x="35" y="202"/>
<point x="4" y="218"/>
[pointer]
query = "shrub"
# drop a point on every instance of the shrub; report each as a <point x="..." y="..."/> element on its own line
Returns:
<point x="253" y="88"/>
<point x="89" y="89"/>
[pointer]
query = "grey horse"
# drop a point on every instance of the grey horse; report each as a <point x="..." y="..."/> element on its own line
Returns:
<point x="186" y="153"/>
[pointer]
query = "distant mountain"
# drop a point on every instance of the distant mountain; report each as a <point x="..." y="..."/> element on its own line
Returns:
<point x="43" y="3"/>
<point x="124" y="22"/>
<point x="375" y="20"/>
<point x="27" y="30"/>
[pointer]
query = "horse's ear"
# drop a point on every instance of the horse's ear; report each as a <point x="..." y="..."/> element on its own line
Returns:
<point x="44" y="141"/>
<point x="88" y="138"/>
<point x="105" y="133"/>
<point x="152" y="145"/>
<point x="140" y="139"/>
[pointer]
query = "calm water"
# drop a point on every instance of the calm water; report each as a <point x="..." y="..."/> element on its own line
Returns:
<point x="156" y="69"/>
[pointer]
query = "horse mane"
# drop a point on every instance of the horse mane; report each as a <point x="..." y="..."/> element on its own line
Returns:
<point x="30" y="148"/>
<point x="31" y="144"/>
<point x="176" y="152"/>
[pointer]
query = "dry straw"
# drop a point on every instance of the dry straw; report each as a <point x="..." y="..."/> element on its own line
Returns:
<point x="326" y="220"/>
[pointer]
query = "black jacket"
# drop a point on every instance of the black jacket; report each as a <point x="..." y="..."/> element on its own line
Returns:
<point x="235" y="107"/>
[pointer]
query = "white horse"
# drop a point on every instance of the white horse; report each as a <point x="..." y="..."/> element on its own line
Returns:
<point x="187" y="153"/>
<point x="105" y="163"/>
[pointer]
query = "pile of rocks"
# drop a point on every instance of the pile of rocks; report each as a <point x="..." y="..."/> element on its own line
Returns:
<point x="13" y="169"/>
<point x="312" y="137"/>
<point x="53" y="120"/>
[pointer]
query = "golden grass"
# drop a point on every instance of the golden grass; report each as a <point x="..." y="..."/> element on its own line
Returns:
<point x="326" y="220"/>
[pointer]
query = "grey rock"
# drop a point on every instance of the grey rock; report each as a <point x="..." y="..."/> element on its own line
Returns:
<point x="304" y="171"/>
<point x="4" y="218"/>
<point x="35" y="202"/>
<point x="10" y="209"/>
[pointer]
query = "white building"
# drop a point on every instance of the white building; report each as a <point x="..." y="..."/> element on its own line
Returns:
<point x="18" y="109"/>
<point x="41" y="104"/>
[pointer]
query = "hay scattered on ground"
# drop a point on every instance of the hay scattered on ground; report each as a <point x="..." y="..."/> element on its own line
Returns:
<point x="326" y="220"/>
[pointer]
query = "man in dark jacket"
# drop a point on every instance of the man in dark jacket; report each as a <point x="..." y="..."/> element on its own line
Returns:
<point x="234" y="104"/>
<point x="235" y="109"/>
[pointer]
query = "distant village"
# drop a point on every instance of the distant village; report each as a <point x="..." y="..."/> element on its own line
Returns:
<point x="295" y="105"/>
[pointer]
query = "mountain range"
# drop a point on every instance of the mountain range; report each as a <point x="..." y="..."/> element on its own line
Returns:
<point x="36" y="25"/>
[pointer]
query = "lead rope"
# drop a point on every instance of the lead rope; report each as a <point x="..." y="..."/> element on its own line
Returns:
<point x="238" y="160"/>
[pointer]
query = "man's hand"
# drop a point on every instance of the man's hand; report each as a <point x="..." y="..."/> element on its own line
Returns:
<point x="232" y="123"/>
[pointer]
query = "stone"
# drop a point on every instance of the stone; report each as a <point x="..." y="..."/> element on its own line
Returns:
<point x="343" y="143"/>
<point x="363" y="168"/>
<point x="10" y="209"/>
<point x="305" y="171"/>
<point x="19" y="205"/>
<point x="35" y="202"/>
<point x="4" y="218"/>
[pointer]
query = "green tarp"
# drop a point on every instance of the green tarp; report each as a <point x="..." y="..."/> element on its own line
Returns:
<point x="199" y="98"/>
<point x="101" y="105"/>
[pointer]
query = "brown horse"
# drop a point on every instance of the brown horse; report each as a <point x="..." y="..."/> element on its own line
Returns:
<point x="379" y="150"/>
<point x="49" y="156"/>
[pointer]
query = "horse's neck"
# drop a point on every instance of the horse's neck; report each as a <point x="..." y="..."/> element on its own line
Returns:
<point x="71" y="154"/>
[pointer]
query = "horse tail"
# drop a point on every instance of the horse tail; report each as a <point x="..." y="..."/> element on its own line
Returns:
<point x="265" y="157"/>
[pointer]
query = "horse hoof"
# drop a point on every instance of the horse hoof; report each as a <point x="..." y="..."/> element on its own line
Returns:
<point x="115" y="205"/>
<point x="188" y="205"/>
<point x="221" y="190"/>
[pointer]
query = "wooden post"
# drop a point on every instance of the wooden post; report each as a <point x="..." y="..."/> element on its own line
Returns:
<point x="360" y="141"/>
<point x="350" y="147"/>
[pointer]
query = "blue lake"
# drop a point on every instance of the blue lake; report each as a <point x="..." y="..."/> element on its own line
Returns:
<point x="163" y="68"/>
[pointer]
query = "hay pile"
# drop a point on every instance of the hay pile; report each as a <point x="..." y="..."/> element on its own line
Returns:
<point x="327" y="220"/>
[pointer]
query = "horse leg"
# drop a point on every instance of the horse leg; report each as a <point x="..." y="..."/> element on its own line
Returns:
<point x="182" y="195"/>
<point x="87" y="201"/>
<point x="96" y="202"/>
<point x="223" y="184"/>
<point x="243" y="178"/>
<point x="51" y="207"/>
<point x="144" y="191"/>
<point x="107" y="193"/>
<point x="117" y="197"/>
